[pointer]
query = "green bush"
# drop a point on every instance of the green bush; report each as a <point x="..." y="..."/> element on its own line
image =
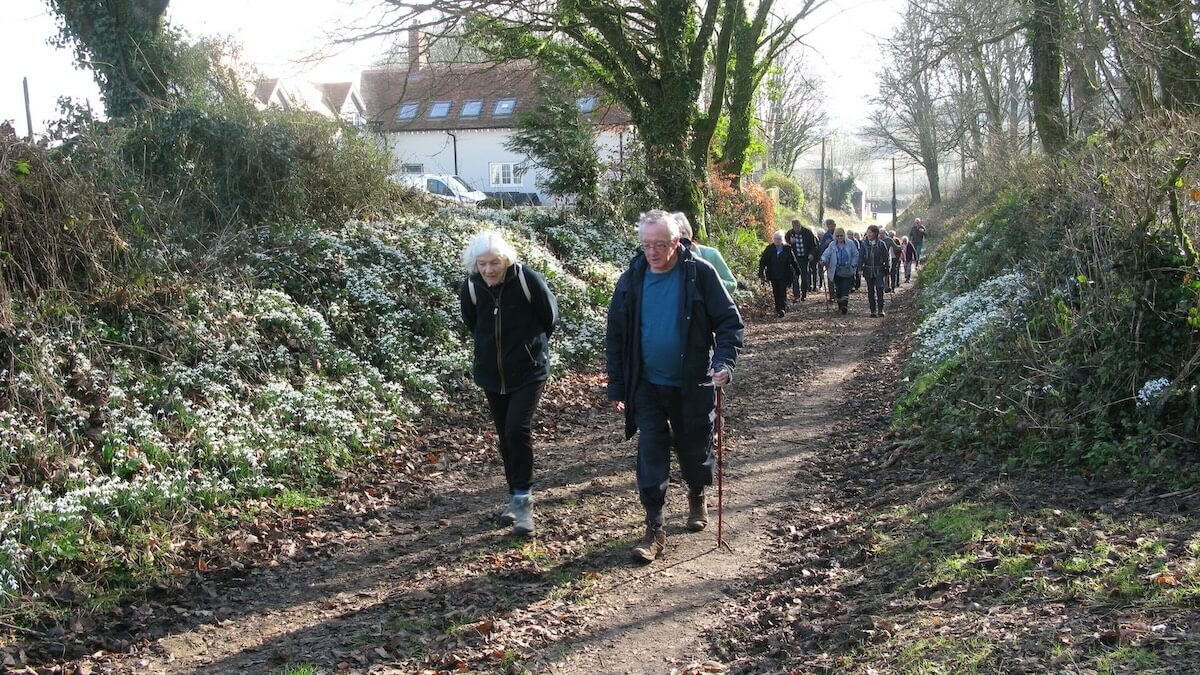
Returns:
<point x="791" y="194"/>
<point x="1061" y="313"/>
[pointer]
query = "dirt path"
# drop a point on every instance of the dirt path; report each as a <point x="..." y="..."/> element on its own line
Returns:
<point x="408" y="579"/>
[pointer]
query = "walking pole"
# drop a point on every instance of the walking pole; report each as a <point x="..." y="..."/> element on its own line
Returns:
<point x="721" y="474"/>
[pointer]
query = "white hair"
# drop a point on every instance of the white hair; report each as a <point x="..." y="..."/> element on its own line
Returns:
<point x="780" y="235"/>
<point x="488" y="241"/>
<point x="659" y="216"/>
<point x="685" y="227"/>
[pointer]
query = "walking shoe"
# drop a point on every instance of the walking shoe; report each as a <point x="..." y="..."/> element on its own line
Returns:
<point x="844" y="305"/>
<point x="882" y="313"/>
<point x="510" y="512"/>
<point x="697" y="512"/>
<point x="651" y="545"/>
<point x="779" y="312"/>
<point x="873" y="314"/>
<point x="523" y="515"/>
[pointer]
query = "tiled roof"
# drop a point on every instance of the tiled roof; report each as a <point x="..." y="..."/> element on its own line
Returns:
<point x="335" y="94"/>
<point x="386" y="92"/>
<point x="264" y="89"/>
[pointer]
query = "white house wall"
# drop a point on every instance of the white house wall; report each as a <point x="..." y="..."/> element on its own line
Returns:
<point x="477" y="149"/>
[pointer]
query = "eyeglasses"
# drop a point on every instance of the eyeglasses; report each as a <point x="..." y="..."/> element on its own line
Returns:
<point x="658" y="246"/>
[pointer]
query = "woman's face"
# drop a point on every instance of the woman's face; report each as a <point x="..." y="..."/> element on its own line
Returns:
<point x="491" y="267"/>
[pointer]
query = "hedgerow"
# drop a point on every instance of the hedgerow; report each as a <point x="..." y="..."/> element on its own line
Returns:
<point x="1061" y="319"/>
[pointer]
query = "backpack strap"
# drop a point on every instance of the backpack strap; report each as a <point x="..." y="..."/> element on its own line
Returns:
<point x="471" y="291"/>
<point x="524" y="283"/>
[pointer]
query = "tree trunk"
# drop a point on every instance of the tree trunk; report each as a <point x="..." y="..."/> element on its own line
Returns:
<point x="1178" y="63"/>
<point x="933" y="176"/>
<point x="664" y="130"/>
<point x="1045" y="50"/>
<point x="741" y="99"/>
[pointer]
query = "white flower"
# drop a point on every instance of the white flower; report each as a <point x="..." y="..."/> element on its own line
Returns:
<point x="1151" y="391"/>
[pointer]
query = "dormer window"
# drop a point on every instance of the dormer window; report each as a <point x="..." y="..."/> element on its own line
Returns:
<point x="407" y="111"/>
<point x="471" y="108"/>
<point x="439" y="109"/>
<point x="504" y="107"/>
<point x="586" y="104"/>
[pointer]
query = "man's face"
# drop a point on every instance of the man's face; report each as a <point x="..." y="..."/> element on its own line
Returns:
<point x="661" y="250"/>
<point x="795" y="227"/>
<point x="872" y="235"/>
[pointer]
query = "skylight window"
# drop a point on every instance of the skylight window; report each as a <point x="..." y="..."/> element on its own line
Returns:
<point x="407" y="111"/>
<point x="586" y="104"/>
<point x="439" y="109"/>
<point x="471" y="108"/>
<point x="504" y="107"/>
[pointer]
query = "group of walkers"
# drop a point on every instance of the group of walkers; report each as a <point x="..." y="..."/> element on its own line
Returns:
<point x="839" y="261"/>
<point x="673" y="338"/>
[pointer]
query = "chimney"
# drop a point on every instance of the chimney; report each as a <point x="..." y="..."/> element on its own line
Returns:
<point x="418" y="52"/>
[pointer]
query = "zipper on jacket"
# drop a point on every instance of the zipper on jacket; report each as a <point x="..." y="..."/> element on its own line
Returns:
<point x="499" y="344"/>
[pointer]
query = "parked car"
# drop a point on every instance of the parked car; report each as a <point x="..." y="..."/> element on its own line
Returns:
<point x="447" y="187"/>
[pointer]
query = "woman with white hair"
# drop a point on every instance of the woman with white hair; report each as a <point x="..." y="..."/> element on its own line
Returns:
<point x="511" y="313"/>
<point x="778" y="264"/>
<point x="708" y="254"/>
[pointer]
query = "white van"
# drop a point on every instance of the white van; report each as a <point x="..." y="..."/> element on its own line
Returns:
<point x="450" y="188"/>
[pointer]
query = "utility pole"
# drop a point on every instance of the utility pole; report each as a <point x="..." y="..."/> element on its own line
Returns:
<point x="821" y="203"/>
<point x="28" y="114"/>
<point x="893" y="194"/>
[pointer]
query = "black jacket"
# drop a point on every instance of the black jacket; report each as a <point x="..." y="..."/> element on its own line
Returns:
<point x="874" y="257"/>
<point x="712" y="329"/>
<point x="805" y="235"/>
<point x="778" y="266"/>
<point x="512" y="333"/>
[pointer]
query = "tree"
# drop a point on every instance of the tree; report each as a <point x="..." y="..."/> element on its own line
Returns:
<point x="1045" y="35"/>
<point x="755" y="48"/>
<point x="649" y="57"/>
<point x="124" y="43"/>
<point x="794" y="117"/>
<point x="912" y="113"/>
<point x="556" y="138"/>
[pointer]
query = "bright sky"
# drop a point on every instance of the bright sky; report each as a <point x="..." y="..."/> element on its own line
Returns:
<point x="277" y="34"/>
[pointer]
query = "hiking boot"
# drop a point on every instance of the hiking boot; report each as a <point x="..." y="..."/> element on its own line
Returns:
<point x="882" y="313"/>
<point x="510" y="512"/>
<point x="779" y="312"/>
<point x="651" y="545"/>
<point x="523" y="515"/>
<point x="873" y="313"/>
<point x="697" y="512"/>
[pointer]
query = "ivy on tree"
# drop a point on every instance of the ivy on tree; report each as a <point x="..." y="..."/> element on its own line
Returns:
<point x="125" y="45"/>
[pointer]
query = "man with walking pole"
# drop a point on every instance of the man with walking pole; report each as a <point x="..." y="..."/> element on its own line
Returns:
<point x="673" y="339"/>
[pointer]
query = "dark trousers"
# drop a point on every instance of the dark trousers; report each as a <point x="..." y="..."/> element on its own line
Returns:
<point x="513" y="415"/>
<point x="803" y="280"/>
<point x="779" y="288"/>
<point x="895" y="272"/>
<point x="908" y="269"/>
<point x="875" y="286"/>
<point x="841" y="286"/>
<point x="666" y="417"/>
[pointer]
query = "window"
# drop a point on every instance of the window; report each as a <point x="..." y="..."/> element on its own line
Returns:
<point x="462" y="184"/>
<point x="439" y="109"/>
<point x="504" y="174"/>
<point x="407" y="111"/>
<point x="471" y="108"/>
<point x="586" y="104"/>
<point x="504" y="107"/>
<point x="437" y="187"/>
<point x="412" y="168"/>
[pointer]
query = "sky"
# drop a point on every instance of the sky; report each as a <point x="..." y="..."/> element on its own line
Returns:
<point x="277" y="35"/>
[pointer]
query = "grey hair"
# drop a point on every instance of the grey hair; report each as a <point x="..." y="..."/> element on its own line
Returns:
<point x="660" y="216"/>
<point x="488" y="241"/>
<point x="780" y="235"/>
<point x="685" y="227"/>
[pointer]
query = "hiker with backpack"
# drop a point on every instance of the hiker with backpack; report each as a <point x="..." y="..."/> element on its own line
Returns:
<point x="511" y="314"/>
<point x="778" y="264"/>
<point x="875" y="258"/>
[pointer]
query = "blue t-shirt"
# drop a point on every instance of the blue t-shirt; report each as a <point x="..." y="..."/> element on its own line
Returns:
<point x="662" y="334"/>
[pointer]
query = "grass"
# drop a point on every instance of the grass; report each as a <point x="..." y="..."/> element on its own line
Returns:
<point x="296" y="500"/>
<point x="935" y="656"/>
<point x="1128" y="659"/>
<point x="301" y="669"/>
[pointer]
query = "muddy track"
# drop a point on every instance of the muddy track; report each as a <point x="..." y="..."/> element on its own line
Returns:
<point x="429" y="582"/>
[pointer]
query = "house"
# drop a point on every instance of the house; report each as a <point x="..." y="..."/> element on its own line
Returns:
<point x="330" y="99"/>
<point x="455" y="119"/>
